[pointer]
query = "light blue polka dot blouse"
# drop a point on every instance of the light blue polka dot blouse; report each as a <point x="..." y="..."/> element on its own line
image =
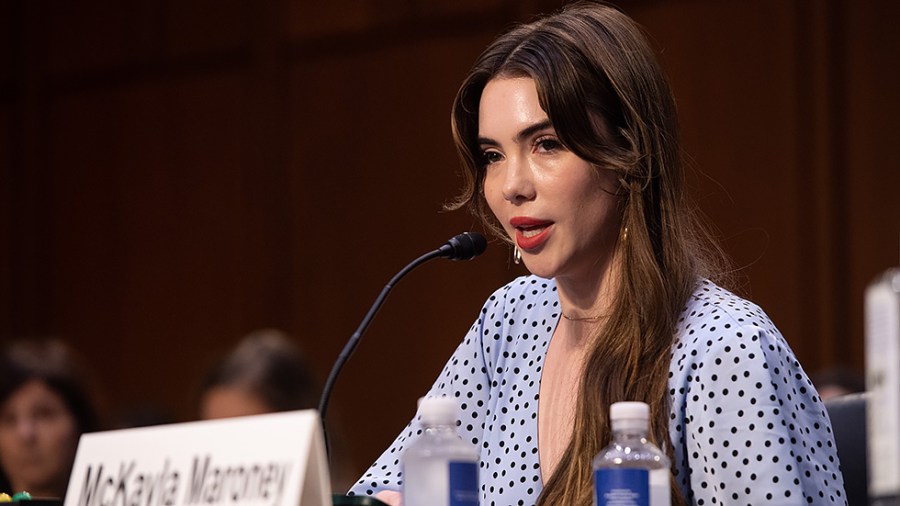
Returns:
<point x="747" y="426"/>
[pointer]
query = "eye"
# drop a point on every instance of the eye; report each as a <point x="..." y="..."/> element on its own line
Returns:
<point x="548" y="144"/>
<point x="490" y="156"/>
<point x="45" y="413"/>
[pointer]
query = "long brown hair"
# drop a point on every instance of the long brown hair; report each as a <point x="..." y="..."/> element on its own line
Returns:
<point x="592" y="64"/>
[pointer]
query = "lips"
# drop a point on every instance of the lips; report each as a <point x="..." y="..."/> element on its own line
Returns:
<point x="531" y="233"/>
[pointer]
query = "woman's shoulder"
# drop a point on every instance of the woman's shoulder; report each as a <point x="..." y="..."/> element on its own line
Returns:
<point x="713" y="308"/>
<point x="524" y="300"/>
<point x="716" y="323"/>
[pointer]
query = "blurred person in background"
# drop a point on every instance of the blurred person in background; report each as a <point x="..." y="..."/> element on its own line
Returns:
<point x="46" y="403"/>
<point x="838" y="381"/>
<point x="267" y="373"/>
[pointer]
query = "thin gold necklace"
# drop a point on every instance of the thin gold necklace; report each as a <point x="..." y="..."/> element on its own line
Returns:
<point x="583" y="318"/>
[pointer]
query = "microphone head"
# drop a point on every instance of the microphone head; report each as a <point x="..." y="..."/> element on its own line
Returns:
<point x="464" y="246"/>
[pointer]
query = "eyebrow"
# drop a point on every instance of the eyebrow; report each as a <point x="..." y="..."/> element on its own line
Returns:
<point x="522" y="135"/>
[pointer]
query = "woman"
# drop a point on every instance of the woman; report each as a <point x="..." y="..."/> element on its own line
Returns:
<point x="268" y="373"/>
<point x="45" y="406"/>
<point x="568" y="132"/>
<point x="265" y="373"/>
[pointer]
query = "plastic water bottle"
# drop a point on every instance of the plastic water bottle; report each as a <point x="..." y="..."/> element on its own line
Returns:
<point x="631" y="471"/>
<point x="439" y="468"/>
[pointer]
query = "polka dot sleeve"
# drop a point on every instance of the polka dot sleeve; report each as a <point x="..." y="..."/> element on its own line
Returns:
<point x="751" y="428"/>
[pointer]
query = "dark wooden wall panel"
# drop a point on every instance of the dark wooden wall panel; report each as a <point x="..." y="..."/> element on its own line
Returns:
<point x="871" y="166"/>
<point x="361" y="16"/>
<point x="819" y="204"/>
<point x="8" y="48"/>
<point x="176" y="174"/>
<point x="147" y="226"/>
<point x="7" y="236"/>
<point x="73" y="37"/>
<point x="200" y="27"/>
<point x="311" y="19"/>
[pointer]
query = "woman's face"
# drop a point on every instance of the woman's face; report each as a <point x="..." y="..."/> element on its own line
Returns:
<point x="38" y="438"/>
<point x="558" y="208"/>
<point x="230" y="401"/>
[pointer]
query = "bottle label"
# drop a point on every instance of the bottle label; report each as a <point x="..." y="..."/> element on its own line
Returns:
<point x="622" y="487"/>
<point x="463" y="484"/>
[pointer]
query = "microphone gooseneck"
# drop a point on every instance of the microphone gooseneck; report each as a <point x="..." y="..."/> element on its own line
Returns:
<point x="465" y="246"/>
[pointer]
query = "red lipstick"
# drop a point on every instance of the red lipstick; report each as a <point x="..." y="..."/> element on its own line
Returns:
<point x="531" y="233"/>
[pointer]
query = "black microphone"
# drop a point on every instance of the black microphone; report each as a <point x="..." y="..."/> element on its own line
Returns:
<point x="465" y="246"/>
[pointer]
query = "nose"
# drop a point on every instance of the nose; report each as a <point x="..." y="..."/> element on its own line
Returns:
<point x="518" y="185"/>
<point x="26" y="428"/>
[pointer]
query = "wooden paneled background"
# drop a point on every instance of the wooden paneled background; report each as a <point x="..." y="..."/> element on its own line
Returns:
<point x="175" y="174"/>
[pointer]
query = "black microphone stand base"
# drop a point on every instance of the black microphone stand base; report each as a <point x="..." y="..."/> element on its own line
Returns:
<point x="355" y="500"/>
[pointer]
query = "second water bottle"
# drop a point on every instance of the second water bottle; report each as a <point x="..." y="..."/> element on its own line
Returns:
<point x="439" y="468"/>
<point x="631" y="471"/>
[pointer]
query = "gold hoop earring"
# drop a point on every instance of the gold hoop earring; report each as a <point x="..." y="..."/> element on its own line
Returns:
<point x="624" y="233"/>
<point x="517" y="255"/>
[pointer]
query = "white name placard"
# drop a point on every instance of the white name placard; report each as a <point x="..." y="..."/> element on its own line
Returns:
<point x="266" y="460"/>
